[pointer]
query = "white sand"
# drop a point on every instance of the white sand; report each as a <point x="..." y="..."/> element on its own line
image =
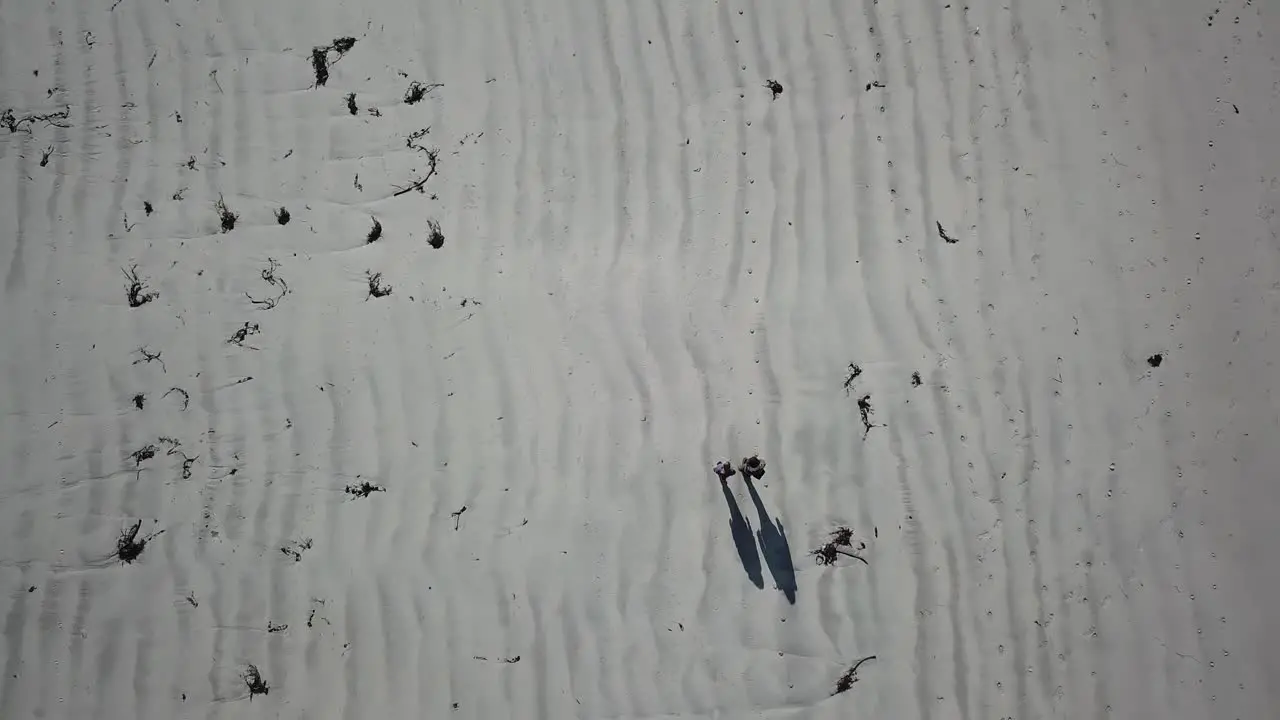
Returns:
<point x="650" y="264"/>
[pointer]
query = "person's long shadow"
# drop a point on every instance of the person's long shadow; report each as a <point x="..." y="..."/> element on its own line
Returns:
<point x="774" y="546"/>
<point x="743" y="539"/>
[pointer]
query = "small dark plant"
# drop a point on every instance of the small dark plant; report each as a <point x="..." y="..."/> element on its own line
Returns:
<point x="243" y="334"/>
<point x="435" y="236"/>
<point x="850" y="676"/>
<point x="417" y="91"/>
<point x="129" y="545"/>
<point x="375" y="232"/>
<point x="296" y="548"/>
<point x="136" y="290"/>
<point x="915" y="379"/>
<point x="364" y="489"/>
<point x="775" y="87"/>
<point x="253" y="680"/>
<point x="225" y="216"/>
<point x="283" y="216"/>
<point x="1155" y="360"/>
<point x="949" y="239"/>
<point x="351" y="104"/>
<point x="146" y="207"/>
<point x="839" y="542"/>
<point x="138" y="400"/>
<point x="376" y="288"/>
<point x="854" y="371"/>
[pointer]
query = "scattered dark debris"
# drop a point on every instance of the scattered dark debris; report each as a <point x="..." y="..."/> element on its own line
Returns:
<point x="243" y="334"/>
<point x="356" y="183"/>
<point x="942" y="233"/>
<point x="375" y="232"/>
<point x="1155" y="360"/>
<point x="14" y="124"/>
<point x="147" y="208"/>
<point x="148" y="356"/>
<point x="177" y="194"/>
<point x="225" y="216"/>
<point x="269" y="275"/>
<point x="295" y="549"/>
<point x="187" y="462"/>
<point x="137" y="289"/>
<point x="752" y="467"/>
<point x="865" y="409"/>
<point x="774" y="87"/>
<point x="320" y="62"/>
<point x="186" y="398"/>
<point x="855" y="371"/>
<point x="457" y="516"/>
<point x="276" y="627"/>
<point x="253" y="680"/>
<point x="364" y="489"/>
<point x="191" y="598"/>
<point x="351" y="104"/>
<point x="417" y="91"/>
<point x="850" y="676"/>
<point x="435" y="236"/>
<point x="375" y="112"/>
<point x="915" y="379"/>
<point x="376" y="288"/>
<point x="875" y="84"/>
<point x="840" y="538"/>
<point x="510" y="660"/>
<point x="433" y="158"/>
<point x="139" y="400"/>
<point x="44" y="156"/>
<point x="128" y="227"/>
<point x="412" y="141"/>
<point x="173" y="444"/>
<point x="283" y="216"/>
<point x="129" y="546"/>
<point x="143" y="453"/>
<point x="190" y="164"/>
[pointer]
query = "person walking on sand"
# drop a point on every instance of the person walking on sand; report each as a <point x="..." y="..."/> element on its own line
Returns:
<point x="723" y="470"/>
<point x="752" y="466"/>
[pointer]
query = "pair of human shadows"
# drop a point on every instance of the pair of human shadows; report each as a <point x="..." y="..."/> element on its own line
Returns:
<point x="771" y="538"/>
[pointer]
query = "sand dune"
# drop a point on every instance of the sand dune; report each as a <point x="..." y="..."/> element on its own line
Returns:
<point x="991" y="285"/>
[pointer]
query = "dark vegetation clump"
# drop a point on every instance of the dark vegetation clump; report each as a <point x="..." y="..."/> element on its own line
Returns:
<point x="850" y="676"/>
<point x="435" y="236"/>
<point x="225" y="216"/>
<point x="364" y="489"/>
<point x="839" y="539"/>
<point x="865" y="410"/>
<point x="376" y="288"/>
<point x="296" y="548"/>
<point x="139" y="400"/>
<point x="854" y="371"/>
<point x="14" y="123"/>
<point x="44" y="156"/>
<point x="775" y="87"/>
<point x="147" y="208"/>
<point x="245" y="331"/>
<point x="137" y="289"/>
<point x="129" y="545"/>
<point x="417" y="91"/>
<point x="146" y="452"/>
<point x="1155" y="360"/>
<point x="253" y="680"/>
<point x="282" y="216"/>
<point x="915" y="379"/>
<point x="351" y="104"/>
<point x="320" y="62"/>
<point x="375" y="232"/>
<point x="949" y="239"/>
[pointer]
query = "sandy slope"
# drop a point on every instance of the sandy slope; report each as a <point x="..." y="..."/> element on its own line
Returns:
<point x="649" y="264"/>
